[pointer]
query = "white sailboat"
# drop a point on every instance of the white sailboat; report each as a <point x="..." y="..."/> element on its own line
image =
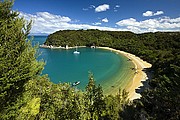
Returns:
<point x="76" y="83"/>
<point x="76" y="52"/>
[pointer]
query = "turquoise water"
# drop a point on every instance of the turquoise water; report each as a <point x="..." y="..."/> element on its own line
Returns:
<point x="64" y="66"/>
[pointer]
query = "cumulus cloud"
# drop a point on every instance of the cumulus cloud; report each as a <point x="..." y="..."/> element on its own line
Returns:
<point x="102" y="8"/>
<point x="105" y="20"/>
<point x="151" y="25"/>
<point x="159" y="13"/>
<point x="150" y="13"/>
<point x="44" y="22"/>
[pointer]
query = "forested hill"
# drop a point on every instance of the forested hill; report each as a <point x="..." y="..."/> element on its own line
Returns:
<point x="86" y="37"/>
<point x="150" y="44"/>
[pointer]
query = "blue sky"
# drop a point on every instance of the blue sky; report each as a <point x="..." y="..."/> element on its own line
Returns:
<point x="138" y="16"/>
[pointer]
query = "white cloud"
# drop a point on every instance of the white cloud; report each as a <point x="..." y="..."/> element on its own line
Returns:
<point x="105" y="20"/>
<point x="159" y="13"/>
<point x="134" y="29"/>
<point x="44" y="22"/>
<point x="46" y="17"/>
<point x="102" y="8"/>
<point x="117" y="6"/>
<point x="92" y="6"/>
<point x="128" y="22"/>
<point x="151" y="25"/>
<point x="97" y="23"/>
<point x="150" y="13"/>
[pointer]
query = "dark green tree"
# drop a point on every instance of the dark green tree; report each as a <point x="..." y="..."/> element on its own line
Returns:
<point x="18" y="62"/>
<point x="94" y="99"/>
<point x="90" y="95"/>
<point x="112" y="110"/>
<point x="99" y="103"/>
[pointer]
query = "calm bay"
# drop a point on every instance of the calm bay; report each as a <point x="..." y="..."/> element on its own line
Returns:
<point x="110" y="69"/>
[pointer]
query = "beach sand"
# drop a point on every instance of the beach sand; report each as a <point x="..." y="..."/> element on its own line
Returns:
<point x="139" y="75"/>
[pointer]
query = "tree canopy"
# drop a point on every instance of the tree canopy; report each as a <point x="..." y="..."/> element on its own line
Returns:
<point x="18" y="62"/>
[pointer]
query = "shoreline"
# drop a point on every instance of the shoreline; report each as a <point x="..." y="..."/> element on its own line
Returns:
<point x="139" y="76"/>
<point x="59" y="47"/>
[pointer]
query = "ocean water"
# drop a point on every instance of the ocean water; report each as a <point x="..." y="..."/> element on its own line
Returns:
<point x="110" y="69"/>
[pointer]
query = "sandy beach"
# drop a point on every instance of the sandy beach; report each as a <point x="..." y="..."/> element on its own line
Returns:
<point x="139" y="75"/>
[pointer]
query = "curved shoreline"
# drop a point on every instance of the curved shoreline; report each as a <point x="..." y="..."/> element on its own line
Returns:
<point x="139" y="76"/>
<point x="139" y="64"/>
